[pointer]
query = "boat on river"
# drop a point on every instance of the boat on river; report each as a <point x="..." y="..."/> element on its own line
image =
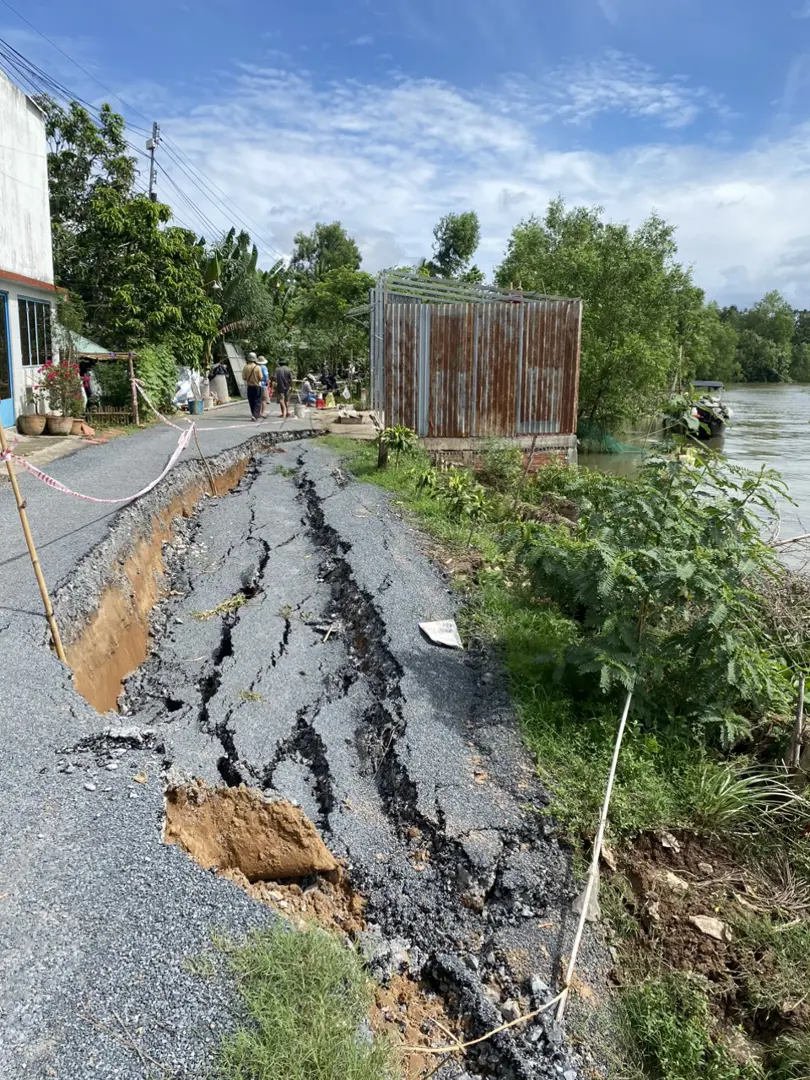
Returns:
<point x="709" y="409"/>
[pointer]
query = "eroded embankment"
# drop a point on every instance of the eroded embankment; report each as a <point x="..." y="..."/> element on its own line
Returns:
<point x="282" y="662"/>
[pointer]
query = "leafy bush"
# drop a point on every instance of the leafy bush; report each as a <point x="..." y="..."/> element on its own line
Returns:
<point x="669" y="1022"/>
<point x="63" y="384"/>
<point x="155" y="367"/>
<point x="464" y="497"/>
<point x="659" y="574"/>
<point x="501" y="465"/>
<point x="400" y="439"/>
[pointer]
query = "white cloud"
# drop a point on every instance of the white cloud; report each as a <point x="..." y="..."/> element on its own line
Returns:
<point x="619" y="83"/>
<point x="364" y="39"/>
<point x="803" y="12"/>
<point x="388" y="161"/>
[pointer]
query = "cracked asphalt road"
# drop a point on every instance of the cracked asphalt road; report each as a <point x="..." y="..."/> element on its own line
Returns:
<point x="406" y="756"/>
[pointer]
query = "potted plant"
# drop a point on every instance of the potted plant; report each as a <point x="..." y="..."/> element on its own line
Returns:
<point x="31" y="423"/>
<point x="64" y="385"/>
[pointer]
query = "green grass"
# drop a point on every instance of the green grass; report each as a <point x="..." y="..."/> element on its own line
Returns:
<point x="307" y="997"/>
<point x="573" y="738"/>
<point x="668" y="1023"/>
<point x="774" y="960"/>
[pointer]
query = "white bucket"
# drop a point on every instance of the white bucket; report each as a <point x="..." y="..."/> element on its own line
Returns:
<point x="302" y="412"/>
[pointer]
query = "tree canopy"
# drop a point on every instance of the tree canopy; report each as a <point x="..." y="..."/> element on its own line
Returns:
<point x="638" y="301"/>
<point x="326" y="248"/>
<point x="138" y="277"/>
<point x="455" y="240"/>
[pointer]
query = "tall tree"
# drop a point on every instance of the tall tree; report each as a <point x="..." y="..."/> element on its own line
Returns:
<point x="636" y="295"/>
<point x="716" y="354"/>
<point x="137" y="276"/>
<point x="455" y="240"/>
<point x="800" y="353"/>
<point x="329" y="336"/>
<point x="766" y="339"/>
<point x="326" y="248"/>
<point x="231" y="276"/>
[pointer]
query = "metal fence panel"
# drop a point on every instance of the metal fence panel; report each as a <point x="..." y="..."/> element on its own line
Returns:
<point x="469" y="370"/>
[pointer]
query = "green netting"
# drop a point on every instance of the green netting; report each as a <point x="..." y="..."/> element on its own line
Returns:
<point x="595" y="440"/>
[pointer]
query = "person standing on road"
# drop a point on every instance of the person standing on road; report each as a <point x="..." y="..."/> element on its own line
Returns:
<point x="265" y="385"/>
<point x="283" y="381"/>
<point x="252" y="374"/>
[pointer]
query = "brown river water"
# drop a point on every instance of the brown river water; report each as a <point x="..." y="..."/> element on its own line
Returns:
<point x="771" y="427"/>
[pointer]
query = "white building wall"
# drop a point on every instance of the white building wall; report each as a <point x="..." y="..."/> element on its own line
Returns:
<point x="25" y="223"/>
<point x="26" y="258"/>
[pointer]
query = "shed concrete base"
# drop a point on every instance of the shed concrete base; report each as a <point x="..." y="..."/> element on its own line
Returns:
<point x="468" y="451"/>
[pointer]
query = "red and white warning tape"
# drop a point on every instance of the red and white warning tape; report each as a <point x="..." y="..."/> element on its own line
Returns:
<point x="182" y="443"/>
<point x="160" y="416"/>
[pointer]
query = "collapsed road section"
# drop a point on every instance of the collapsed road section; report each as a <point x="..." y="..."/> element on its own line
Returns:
<point x="286" y="657"/>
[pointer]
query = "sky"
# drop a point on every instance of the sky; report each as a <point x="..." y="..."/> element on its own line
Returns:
<point x="387" y="114"/>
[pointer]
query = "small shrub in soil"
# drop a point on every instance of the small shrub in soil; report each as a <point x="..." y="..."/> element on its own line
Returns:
<point x="669" y="1023"/>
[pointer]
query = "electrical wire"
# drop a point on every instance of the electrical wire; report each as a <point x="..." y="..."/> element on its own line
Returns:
<point x="36" y="81"/>
<point x="208" y="225"/>
<point x="174" y="150"/>
<point x="72" y="61"/>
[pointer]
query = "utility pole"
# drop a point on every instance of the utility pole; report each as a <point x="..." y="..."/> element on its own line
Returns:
<point x="152" y="145"/>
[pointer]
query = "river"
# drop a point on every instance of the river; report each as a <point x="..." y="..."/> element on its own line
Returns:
<point x="770" y="426"/>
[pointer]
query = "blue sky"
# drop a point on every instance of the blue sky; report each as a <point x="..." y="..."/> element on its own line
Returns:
<point x="388" y="113"/>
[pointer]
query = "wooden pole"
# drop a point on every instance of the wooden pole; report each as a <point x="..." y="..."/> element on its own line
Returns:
<point x="205" y="463"/>
<point x="32" y="551"/>
<point x="798" y="730"/>
<point x="135" y="417"/>
<point x="526" y="468"/>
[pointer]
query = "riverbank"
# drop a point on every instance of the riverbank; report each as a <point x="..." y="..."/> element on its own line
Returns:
<point x="769" y="429"/>
<point x="707" y="880"/>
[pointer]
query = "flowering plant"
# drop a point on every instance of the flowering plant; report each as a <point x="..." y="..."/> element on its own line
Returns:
<point x="63" y="384"/>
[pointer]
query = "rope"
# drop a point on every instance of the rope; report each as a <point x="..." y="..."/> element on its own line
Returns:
<point x="593" y="870"/>
<point x="481" y="1038"/>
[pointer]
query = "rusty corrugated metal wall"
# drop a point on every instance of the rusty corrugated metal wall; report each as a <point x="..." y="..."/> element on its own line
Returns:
<point x="472" y="370"/>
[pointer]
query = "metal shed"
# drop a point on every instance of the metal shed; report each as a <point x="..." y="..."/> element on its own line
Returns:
<point x="461" y="363"/>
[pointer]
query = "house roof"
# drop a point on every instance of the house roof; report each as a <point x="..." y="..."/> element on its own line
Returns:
<point x="83" y="346"/>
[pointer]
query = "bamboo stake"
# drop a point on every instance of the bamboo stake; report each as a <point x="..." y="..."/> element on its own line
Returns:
<point x="792" y="540"/>
<point x="526" y="468"/>
<point x="205" y="463"/>
<point x="136" y="420"/>
<point x="32" y="551"/>
<point x="597" y="851"/>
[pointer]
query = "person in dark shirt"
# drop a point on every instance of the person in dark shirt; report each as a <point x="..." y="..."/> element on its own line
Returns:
<point x="283" y="381"/>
